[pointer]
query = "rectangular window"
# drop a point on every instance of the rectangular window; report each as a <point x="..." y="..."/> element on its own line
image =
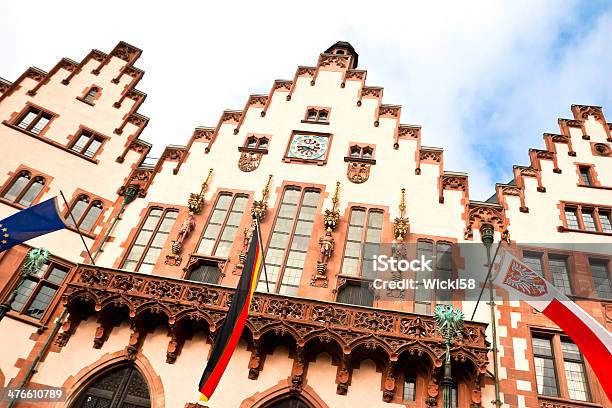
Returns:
<point x="422" y="296"/>
<point x="444" y="270"/>
<point x="356" y="292"/>
<point x="409" y="388"/>
<point x="288" y="245"/>
<point x="362" y="242"/>
<point x="35" y="293"/>
<point x="601" y="278"/>
<point x="585" y="175"/>
<point x="534" y="261"/>
<point x="34" y="120"/>
<point x="588" y="220"/>
<point x="545" y="367"/>
<point x="571" y="217"/>
<point x="222" y="227"/>
<point x="604" y="219"/>
<point x="206" y="273"/>
<point x="574" y="371"/>
<point x="150" y="240"/>
<point x="558" y="269"/>
<point x="87" y="144"/>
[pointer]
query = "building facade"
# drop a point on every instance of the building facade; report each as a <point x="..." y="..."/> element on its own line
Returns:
<point x="331" y="172"/>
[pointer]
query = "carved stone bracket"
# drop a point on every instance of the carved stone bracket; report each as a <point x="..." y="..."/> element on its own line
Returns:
<point x="401" y="224"/>
<point x="327" y="243"/>
<point x="343" y="375"/>
<point x="255" y="361"/>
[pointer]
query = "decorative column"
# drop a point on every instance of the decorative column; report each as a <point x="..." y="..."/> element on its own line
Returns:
<point x="327" y="243"/>
<point x="449" y="323"/>
<point x="195" y="204"/>
<point x="259" y="210"/>
<point x="401" y="224"/>
<point x="399" y="249"/>
<point x="35" y="259"/>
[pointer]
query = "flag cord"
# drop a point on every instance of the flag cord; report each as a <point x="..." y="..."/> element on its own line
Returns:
<point x="263" y="253"/>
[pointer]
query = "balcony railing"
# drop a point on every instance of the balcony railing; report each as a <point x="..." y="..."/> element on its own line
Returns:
<point x="350" y="326"/>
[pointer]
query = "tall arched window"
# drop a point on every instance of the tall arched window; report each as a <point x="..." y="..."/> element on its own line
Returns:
<point x="86" y="212"/>
<point x="290" y="402"/>
<point x="123" y="387"/>
<point x="24" y="189"/>
<point x="222" y="228"/>
<point x="286" y="252"/>
<point x="150" y="240"/>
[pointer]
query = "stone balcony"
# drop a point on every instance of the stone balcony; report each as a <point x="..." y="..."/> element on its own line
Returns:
<point x="347" y="329"/>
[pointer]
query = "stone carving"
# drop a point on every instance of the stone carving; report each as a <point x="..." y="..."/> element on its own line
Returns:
<point x="196" y="201"/>
<point x="174" y="259"/>
<point x="259" y="208"/>
<point x="401" y="224"/>
<point x="327" y="243"/>
<point x="249" y="161"/>
<point x="358" y="172"/>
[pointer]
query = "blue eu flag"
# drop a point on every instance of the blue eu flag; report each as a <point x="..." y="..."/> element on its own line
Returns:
<point x="40" y="219"/>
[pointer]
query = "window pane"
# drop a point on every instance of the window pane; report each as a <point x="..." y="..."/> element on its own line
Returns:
<point x="357" y="217"/>
<point x="28" y="118"/>
<point x="206" y="246"/>
<point x="375" y="219"/>
<point x="601" y="278"/>
<point x="558" y="267"/>
<point x="32" y="191"/>
<point x="81" y="142"/>
<point x="545" y="376"/>
<point x="24" y="291"/>
<point x="604" y="219"/>
<point x="585" y="175"/>
<point x="40" y="124"/>
<point x="77" y="210"/>
<point x="409" y="389"/>
<point x="205" y="273"/>
<point x="223" y="249"/>
<point x="588" y="220"/>
<point x="93" y="147"/>
<point x="18" y="186"/>
<point x="311" y="198"/>
<point x="57" y="274"/>
<point x="542" y="347"/>
<point x="41" y="301"/>
<point x="572" y="218"/>
<point x="534" y="261"/>
<point x="91" y="217"/>
<point x="291" y="196"/>
<point x="355" y="294"/>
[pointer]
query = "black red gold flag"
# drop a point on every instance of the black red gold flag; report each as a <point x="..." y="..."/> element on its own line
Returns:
<point x="232" y="326"/>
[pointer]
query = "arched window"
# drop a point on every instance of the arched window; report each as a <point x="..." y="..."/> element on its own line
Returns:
<point x="85" y="212"/>
<point x="317" y="114"/>
<point x="312" y="114"/>
<point x="123" y="387"/>
<point x="24" y="189"/>
<point x="91" y="95"/>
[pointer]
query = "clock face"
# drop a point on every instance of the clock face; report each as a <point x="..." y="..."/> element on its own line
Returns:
<point x="308" y="147"/>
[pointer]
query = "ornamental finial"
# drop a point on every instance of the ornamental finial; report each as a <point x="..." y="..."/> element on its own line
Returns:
<point x="335" y="198"/>
<point x="402" y="205"/>
<point x="260" y="207"/>
<point x="196" y="201"/>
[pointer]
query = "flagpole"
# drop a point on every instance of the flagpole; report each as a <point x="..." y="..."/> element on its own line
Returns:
<point x="58" y="322"/>
<point x="487" y="236"/>
<point x="263" y="253"/>
<point x="486" y="280"/>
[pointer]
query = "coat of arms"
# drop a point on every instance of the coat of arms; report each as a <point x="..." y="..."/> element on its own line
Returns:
<point x="525" y="280"/>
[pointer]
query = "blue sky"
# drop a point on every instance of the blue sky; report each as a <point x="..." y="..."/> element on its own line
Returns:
<point x="485" y="79"/>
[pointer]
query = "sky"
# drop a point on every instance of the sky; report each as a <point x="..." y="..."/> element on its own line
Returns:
<point x="484" y="79"/>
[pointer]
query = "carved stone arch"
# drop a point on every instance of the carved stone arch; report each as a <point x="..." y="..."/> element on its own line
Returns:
<point x="77" y="383"/>
<point x="84" y="295"/>
<point x="154" y="307"/>
<point x="372" y="343"/>
<point x="281" y="391"/>
<point x="417" y="348"/>
<point x="324" y="335"/>
<point x="279" y="328"/>
<point x="117" y="301"/>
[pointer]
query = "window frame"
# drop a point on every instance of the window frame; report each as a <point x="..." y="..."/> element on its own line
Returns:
<point x="155" y="230"/>
<point x="360" y="158"/>
<point x="606" y="264"/>
<point x="85" y="97"/>
<point x="362" y="242"/>
<point x="258" y="140"/>
<point x="435" y="243"/>
<point x="93" y="135"/>
<point x="13" y="177"/>
<point x="318" y="110"/>
<point x="579" y="209"/>
<point x="233" y="195"/>
<point x="28" y="129"/>
<point x="556" y="338"/>
<point x="291" y="234"/>
<point x="40" y="282"/>
<point x="92" y="200"/>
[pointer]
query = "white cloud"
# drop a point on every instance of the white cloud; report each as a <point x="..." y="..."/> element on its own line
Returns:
<point x="481" y="77"/>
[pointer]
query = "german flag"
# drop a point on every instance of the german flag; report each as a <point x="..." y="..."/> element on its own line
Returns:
<point x="230" y="332"/>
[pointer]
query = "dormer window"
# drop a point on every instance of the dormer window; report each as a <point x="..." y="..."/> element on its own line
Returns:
<point x="355" y="151"/>
<point x="317" y="115"/>
<point x="361" y="152"/>
<point x="256" y="142"/>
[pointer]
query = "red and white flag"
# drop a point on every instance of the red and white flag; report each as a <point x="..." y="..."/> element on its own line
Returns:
<point x="593" y="339"/>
